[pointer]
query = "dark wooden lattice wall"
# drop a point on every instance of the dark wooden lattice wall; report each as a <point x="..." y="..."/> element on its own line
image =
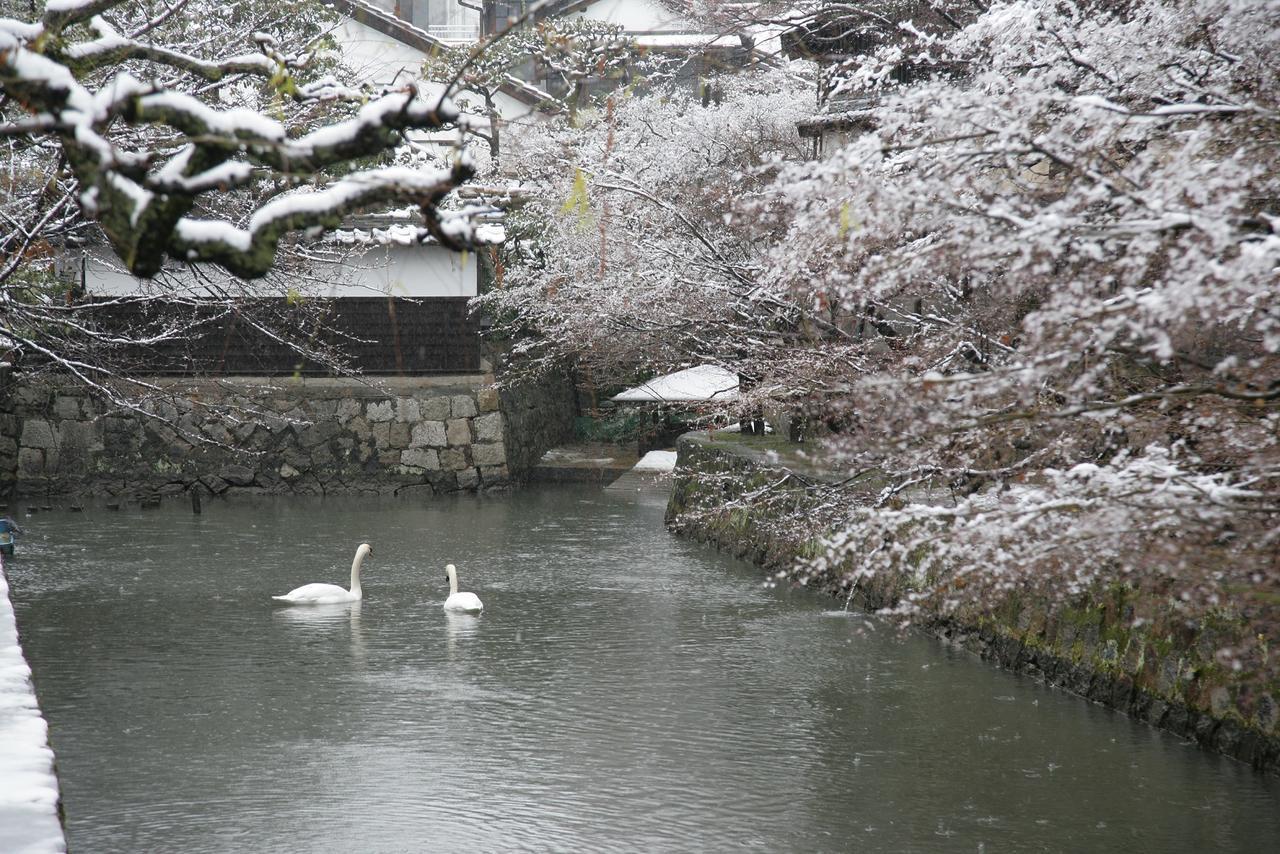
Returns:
<point x="379" y="335"/>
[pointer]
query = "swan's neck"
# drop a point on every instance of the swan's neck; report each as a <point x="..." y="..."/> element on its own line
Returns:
<point x="355" y="572"/>
<point x="453" y="581"/>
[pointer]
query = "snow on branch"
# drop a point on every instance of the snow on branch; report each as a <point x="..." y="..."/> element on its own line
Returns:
<point x="145" y="153"/>
<point x="249" y="252"/>
<point x="111" y="48"/>
<point x="60" y="14"/>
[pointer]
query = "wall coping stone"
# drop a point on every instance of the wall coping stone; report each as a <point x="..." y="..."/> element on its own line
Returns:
<point x="295" y="389"/>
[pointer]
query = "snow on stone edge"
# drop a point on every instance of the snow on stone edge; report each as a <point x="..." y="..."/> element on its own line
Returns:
<point x="659" y="461"/>
<point x="28" y="787"/>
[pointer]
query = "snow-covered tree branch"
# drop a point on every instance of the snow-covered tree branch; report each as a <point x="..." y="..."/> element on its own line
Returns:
<point x="143" y="152"/>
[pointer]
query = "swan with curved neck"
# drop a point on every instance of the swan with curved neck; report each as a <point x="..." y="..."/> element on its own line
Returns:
<point x="329" y="594"/>
<point x="468" y="602"/>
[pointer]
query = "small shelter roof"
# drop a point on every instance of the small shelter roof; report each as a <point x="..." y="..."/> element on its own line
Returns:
<point x="692" y="385"/>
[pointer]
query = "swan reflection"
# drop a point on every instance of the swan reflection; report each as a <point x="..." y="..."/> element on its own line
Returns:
<point x="320" y="616"/>
<point x="326" y="620"/>
<point x="459" y="626"/>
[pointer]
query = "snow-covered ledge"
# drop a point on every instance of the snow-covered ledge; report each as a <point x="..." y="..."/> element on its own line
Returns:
<point x="29" y="822"/>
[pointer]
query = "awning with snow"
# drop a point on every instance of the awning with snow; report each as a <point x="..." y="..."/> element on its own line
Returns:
<point x="700" y="384"/>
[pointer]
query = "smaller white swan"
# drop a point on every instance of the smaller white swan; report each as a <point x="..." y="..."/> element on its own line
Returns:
<point x="329" y="594"/>
<point x="468" y="602"/>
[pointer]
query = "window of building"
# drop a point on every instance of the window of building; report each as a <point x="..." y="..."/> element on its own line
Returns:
<point x="444" y="19"/>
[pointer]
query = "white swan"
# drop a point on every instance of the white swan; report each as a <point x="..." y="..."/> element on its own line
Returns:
<point x="329" y="594"/>
<point x="468" y="602"/>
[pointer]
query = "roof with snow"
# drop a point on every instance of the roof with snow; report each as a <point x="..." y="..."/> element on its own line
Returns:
<point x="409" y="235"/>
<point x="692" y="385"/>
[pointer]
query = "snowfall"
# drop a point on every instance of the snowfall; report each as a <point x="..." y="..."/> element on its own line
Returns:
<point x="28" y="787"/>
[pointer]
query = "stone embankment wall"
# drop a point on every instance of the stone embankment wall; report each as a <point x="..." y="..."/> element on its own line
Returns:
<point x="539" y="415"/>
<point x="1164" y="674"/>
<point x="304" y="436"/>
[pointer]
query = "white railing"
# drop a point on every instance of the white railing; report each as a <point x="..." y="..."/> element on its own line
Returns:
<point x="455" y="32"/>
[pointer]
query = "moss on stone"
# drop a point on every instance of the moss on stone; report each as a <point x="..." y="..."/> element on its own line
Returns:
<point x="1160" y="672"/>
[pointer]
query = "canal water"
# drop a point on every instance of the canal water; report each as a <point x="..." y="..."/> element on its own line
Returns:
<point x="624" y="690"/>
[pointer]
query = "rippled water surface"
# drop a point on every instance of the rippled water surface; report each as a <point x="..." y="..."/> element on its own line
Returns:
<point x="624" y="690"/>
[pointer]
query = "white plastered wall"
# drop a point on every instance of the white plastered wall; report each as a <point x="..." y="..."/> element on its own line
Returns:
<point x="376" y="58"/>
<point x="635" y="15"/>
<point x="398" y="271"/>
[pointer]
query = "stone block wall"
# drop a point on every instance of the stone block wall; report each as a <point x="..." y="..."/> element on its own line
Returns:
<point x="307" y="436"/>
<point x="539" y="415"/>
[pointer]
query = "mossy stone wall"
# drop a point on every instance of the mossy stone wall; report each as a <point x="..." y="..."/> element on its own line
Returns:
<point x="1164" y="673"/>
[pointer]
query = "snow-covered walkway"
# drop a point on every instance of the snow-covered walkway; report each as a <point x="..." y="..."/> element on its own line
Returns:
<point x="28" y="788"/>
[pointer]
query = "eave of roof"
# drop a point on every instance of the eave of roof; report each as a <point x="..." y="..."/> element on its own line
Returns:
<point x="860" y="119"/>
<point x="419" y="39"/>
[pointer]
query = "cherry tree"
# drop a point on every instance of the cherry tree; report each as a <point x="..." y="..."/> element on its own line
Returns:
<point x="626" y="257"/>
<point x="1028" y="308"/>
<point x="1071" y="251"/>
